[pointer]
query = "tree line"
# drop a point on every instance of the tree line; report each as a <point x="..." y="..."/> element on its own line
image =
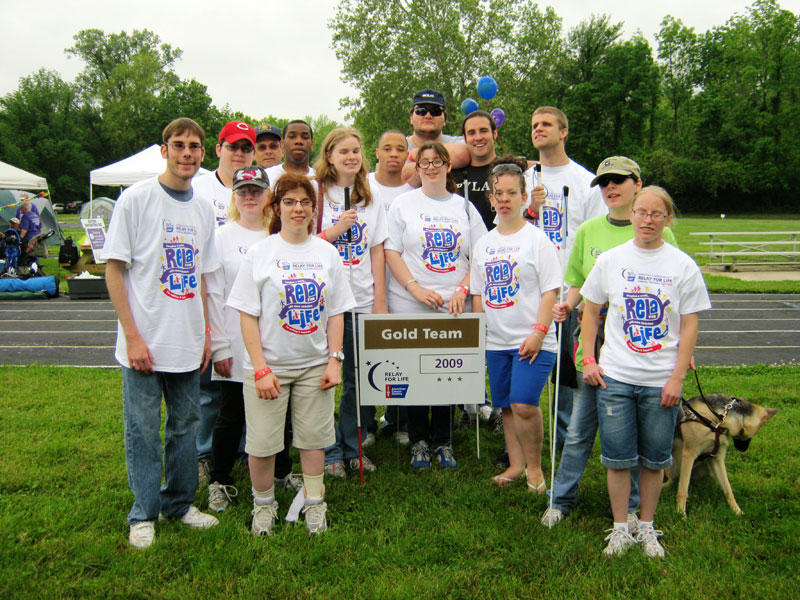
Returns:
<point x="710" y="116"/>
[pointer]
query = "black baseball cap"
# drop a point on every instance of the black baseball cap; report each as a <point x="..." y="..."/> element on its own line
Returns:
<point x="429" y="97"/>
<point x="267" y="129"/>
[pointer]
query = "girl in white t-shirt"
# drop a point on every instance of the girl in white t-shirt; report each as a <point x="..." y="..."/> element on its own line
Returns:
<point x="431" y="235"/>
<point x="357" y="232"/>
<point x="515" y="276"/>
<point x="654" y="292"/>
<point x="291" y="293"/>
<point x="247" y="225"/>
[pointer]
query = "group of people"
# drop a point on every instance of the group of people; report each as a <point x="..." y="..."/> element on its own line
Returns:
<point x="239" y="293"/>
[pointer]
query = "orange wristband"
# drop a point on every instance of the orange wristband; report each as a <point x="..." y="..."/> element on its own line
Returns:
<point x="543" y="328"/>
<point x="588" y="360"/>
<point x="261" y="373"/>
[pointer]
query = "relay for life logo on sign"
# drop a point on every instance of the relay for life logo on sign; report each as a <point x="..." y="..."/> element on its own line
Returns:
<point x="644" y="311"/>
<point x="179" y="278"/>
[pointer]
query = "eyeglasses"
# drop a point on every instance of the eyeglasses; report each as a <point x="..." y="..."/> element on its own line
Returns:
<point x="617" y="179"/>
<point x="245" y="148"/>
<point x="434" y="111"/>
<point x="180" y="146"/>
<point x="657" y="217"/>
<point x="435" y="163"/>
<point x="290" y="202"/>
<point x="254" y="192"/>
<point x="513" y="167"/>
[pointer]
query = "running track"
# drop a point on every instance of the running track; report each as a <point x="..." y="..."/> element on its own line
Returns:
<point x="740" y="329"/>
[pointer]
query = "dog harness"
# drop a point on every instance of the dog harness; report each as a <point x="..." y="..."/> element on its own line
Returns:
<point x="690" y="414"/>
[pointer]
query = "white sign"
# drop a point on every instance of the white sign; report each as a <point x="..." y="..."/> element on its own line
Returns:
<point x="422" y="359"/>
<point x="96" y="233"/>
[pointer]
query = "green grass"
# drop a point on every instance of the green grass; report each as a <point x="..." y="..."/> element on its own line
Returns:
<point x="64" y="497"/>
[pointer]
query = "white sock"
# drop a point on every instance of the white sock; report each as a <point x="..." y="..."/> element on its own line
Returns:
<point x="623" y="526"/>
<point x="262" y="498"/>
<point x="645" y="525"/>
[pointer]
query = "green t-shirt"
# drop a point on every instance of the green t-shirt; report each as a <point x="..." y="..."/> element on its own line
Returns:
<point x="594" y="237"/>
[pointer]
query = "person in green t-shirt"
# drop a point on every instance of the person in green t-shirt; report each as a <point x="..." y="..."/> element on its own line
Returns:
<point x="619" y="179"/>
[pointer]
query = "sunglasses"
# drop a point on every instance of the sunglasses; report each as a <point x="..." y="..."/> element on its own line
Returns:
<point x="244" y="148"/>
<point x="434" y="111"/>
<point x="617" y="179"/>
<point x="507" y="167"/>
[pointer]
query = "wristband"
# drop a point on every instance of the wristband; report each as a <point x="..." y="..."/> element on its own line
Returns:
<point x="208" y="329"/>
<point x="464" y="289"/>
<point x="411" y="156"/>
<point x="588" y="360"/>
<point x="531" y="214"/>
<point x="261" y="373"/>
<point x="408" y="283"/>
<point x="543" y="328"/>
<point x="323" y="236"/>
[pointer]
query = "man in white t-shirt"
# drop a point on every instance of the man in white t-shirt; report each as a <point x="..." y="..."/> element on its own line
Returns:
<point x="160" y="244"/>
<point x="298" y="142"/>
<point x="549" y="130"/>
<point x="235" y="149"/>
<point x="269" y="151"/>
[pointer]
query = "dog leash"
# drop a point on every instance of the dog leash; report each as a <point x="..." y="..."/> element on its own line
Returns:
<point x="690" y="414"/>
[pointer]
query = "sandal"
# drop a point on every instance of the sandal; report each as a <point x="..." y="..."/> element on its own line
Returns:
<point x="539" y="489"/>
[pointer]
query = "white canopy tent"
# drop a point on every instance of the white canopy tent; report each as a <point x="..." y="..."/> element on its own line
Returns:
<point x="126" y="172"/>
<point x="12" y="178"/>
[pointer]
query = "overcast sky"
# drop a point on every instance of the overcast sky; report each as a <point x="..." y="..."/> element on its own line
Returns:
<point x="286" y="66"/>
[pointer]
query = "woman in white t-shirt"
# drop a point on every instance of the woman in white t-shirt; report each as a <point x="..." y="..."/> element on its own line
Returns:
<point x="357" y="231"/>
<point x="291" y="293"/>
<point x="654" y="292"/>
<point x="515" y="276"/>
<point x="247" y="224"/>
<point x="431" y="235"/>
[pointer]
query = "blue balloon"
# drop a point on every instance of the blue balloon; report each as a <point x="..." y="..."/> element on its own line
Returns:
<point x="487" y="87"/>
<point x="469" y="105"/>
<point x="499" y="116"/>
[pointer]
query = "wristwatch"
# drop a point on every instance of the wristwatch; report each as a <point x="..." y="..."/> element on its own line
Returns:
<point x="337" y="355"/>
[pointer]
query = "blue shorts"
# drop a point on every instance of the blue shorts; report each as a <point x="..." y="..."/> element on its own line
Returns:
<point x="515" y="381"/>
<point x="634" y="427"/>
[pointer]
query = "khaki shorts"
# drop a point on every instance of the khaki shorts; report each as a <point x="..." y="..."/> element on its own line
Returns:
<point x="312" y="413"/>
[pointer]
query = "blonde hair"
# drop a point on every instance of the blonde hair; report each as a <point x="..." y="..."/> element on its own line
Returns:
<point x="557" y="113"/>
<point x="234" y="215"/>
<point x="659" y="192"/>
<point x="326" y="174"/>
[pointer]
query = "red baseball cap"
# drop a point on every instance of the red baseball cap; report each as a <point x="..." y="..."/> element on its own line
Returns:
<point x="237" y="130"/>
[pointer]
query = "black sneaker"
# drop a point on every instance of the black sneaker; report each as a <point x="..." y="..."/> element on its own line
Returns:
<point x="465" y="422"/>
<point x="502" y="460"/>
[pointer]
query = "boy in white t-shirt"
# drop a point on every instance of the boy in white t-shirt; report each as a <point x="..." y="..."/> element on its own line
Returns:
<point x="160" y="244"/>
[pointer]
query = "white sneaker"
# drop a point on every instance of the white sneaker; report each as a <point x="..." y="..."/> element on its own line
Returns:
<point x="264" y="518"/>
<point x="369" y="466"/>
<point x="633" y="523"/>
<point x="336" y="469"/>
<point x="197" y="520"/>
<point x="142" y="534"/>
<point x="552" y="516"/>
<point x="619" y="541"/>
<point x="220" y="496"/>
<point x="401" y="437"/>
<point x="314" y="511"/>
<point x="369" y="440"/>
<point x="485" y="412"/>
<point x="648" y="538"/>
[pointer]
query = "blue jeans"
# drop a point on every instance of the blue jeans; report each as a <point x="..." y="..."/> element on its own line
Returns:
<point x="634" y="427"/>
<point x="346" y="445"/>
<point x="577" y="450"/>
<point x="210" y="396"/>
<point x="141" y="413"/>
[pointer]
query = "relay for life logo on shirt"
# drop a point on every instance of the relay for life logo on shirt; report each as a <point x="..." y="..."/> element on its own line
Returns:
<point x="179" y="279"/>
<point x="302" y="302"/>
<point x="551" y="218"/>
<point x="441" y="247"/>
<point x="644" y="311"/>
<point x="220" y="212"/>
<point x="358" y="244"/>
<point x="502" y="283"/>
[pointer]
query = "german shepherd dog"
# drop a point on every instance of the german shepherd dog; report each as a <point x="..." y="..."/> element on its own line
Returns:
<point x="693" y="449"/>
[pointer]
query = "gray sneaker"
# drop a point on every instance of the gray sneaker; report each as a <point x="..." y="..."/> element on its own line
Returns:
<point x="619" y="541"/>
<point x="314" y="511"/>
<point x="203" y="470"/>
<point x="264" y="518"/>
<point x="552" y="516"/>
<point x="220" y="496"/>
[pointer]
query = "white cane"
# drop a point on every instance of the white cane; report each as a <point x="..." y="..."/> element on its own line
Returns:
<point x="554" y="414"/>
<point x="355" y="345"/>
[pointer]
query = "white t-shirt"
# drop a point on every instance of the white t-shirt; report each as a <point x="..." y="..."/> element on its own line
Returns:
<point x="368" y="231"/>
<point x="388" y="193"/>
<point x="434" y="238"/>
<point x="275" y="171"/>
<point x="166" y="245"/>
<point x="647" y="291"/>
<point x="510" y="273"/>
<point x="584" y="202"/>
<point x="232" y="242"/>
<point x="210" y="188"/>
<point x="446" y="139"/>
<point x="293" y="289"/>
